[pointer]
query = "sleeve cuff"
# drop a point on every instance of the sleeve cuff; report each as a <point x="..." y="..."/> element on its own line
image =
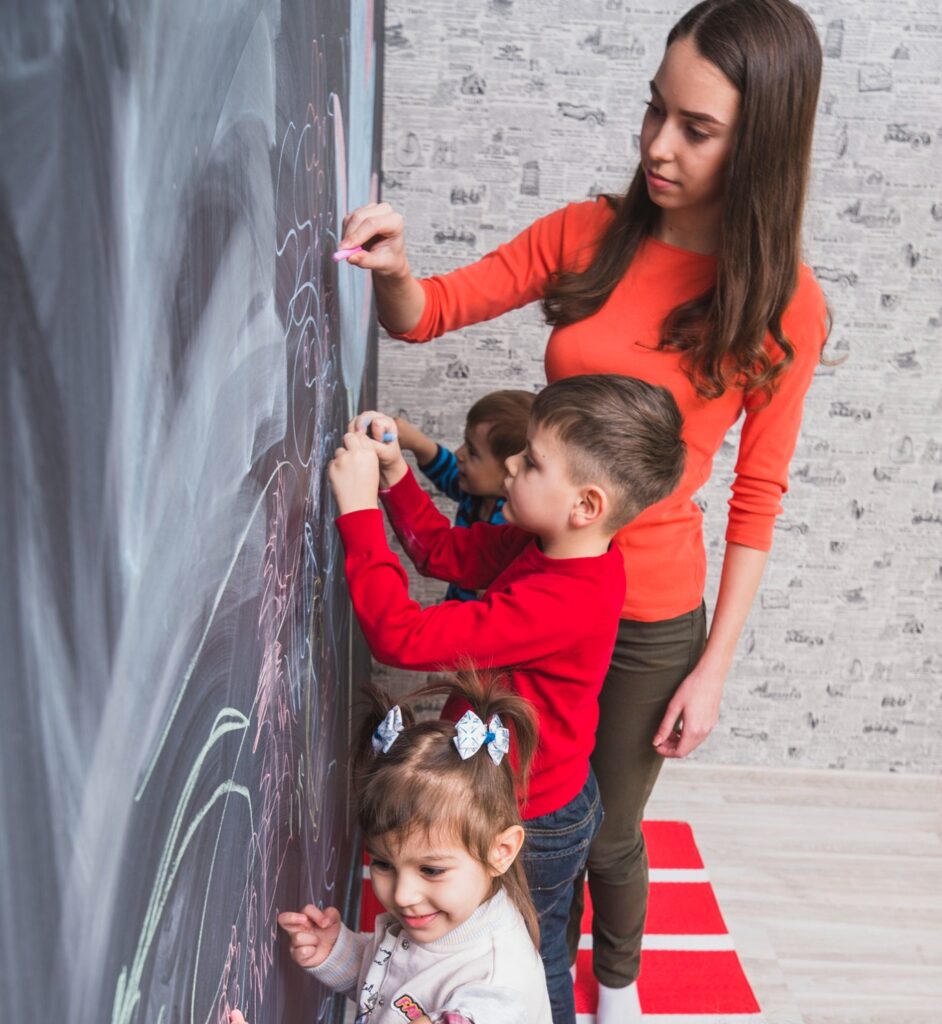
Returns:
<point x="438" y="463"/>
<point x="342" y="967"/>
<point x="420" y="332"/>
<point x="400" y="337"/>
<point x="402" y="495"/>
<point x="758" y="537"/>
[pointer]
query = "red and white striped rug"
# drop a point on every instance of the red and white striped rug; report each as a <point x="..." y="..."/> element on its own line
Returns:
<point x="690" y="973"/>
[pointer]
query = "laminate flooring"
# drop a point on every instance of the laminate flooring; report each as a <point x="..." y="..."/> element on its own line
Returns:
<point x="830" y="883"/>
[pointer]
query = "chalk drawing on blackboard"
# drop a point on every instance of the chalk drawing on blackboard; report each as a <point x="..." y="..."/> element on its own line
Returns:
<point x="173" y="615"/>
<point x="357" y="184"/>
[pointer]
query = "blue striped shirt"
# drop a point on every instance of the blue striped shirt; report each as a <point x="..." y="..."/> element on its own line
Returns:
<point x="443" y="473"/>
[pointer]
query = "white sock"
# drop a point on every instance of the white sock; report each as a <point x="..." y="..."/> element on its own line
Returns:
<point x="618" y="1005"/>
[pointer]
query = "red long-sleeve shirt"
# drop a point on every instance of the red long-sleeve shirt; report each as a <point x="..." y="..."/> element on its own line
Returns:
<point x="663" y="548"/>
<point x="548" y="623"/>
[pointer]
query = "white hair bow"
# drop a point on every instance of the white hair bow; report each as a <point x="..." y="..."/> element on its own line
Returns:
<point x="472" y="735"/>
<point x="387" y="731"/>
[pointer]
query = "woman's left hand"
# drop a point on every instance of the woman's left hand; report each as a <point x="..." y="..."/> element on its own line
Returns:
<point x="695" y="707"/>
<point x="692" y="713"/>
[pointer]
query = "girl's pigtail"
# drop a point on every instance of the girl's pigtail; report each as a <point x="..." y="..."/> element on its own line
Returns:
<point x="487" y="696"/>
<point x="376" y="704"/>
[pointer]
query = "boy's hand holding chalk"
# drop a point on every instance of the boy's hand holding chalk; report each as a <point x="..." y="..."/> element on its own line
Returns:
<point x="365" y="420"/>
<point x="382" y="430"/>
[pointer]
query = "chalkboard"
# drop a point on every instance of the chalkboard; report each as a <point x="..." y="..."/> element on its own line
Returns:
<point x="179" y="356"/>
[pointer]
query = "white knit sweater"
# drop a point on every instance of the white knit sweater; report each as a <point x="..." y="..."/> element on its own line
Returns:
<point x="486" y="971"/>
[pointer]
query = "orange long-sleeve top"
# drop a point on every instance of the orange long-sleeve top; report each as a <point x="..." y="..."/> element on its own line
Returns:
<point x="663" y="550"/>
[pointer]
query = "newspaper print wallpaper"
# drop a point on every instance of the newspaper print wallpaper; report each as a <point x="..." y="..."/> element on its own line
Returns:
<point x="499" y="112"/>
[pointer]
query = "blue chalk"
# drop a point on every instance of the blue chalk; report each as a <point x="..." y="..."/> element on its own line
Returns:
<point x="387" y="435"/>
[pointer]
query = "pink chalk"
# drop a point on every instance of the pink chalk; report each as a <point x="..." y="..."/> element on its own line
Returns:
<point x="345" y="254"/>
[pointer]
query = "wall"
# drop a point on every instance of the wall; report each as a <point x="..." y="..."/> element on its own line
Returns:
<point x="500" y="112"/>
<point x="180" y="354"/>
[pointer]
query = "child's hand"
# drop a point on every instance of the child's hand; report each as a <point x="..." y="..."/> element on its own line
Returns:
<point x="354" y="474"/>
<point x="406" y="433"/>
<point x="236" y="1017"/>
<point x="413" y="440"/>
<point x="313" y="933"/>
<point x="376" y="426"/>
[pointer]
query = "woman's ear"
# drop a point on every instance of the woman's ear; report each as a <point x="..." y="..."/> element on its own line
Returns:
<point x="504" y="849"/>
<point x="592" y="506"/>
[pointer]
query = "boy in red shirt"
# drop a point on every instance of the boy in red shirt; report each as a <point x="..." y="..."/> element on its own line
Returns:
<point x="600" y="449"/>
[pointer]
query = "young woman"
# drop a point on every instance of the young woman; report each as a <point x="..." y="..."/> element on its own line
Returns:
<point x="692" y="280"/>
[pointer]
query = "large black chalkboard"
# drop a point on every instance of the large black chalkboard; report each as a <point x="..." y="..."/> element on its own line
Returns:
<point x="179" y="354"/>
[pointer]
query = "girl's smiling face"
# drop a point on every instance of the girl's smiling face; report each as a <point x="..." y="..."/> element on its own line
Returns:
<point x="429" y="884"/>
<point x="688" y="132"/>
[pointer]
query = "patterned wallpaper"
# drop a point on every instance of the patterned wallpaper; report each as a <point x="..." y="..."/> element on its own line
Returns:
<point x="498" y="112"/>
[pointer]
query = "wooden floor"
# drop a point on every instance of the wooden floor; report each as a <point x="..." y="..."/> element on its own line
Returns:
<point x="830" y="883"/>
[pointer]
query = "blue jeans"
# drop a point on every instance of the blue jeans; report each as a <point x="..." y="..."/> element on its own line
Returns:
<point x="554" y="856"/>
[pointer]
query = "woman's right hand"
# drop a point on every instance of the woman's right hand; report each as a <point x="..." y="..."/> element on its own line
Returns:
<point x="384" y="229"/>
<point x="313" y="933"/>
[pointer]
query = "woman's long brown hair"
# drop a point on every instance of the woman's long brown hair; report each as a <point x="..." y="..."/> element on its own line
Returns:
<point x="770" y="51"/>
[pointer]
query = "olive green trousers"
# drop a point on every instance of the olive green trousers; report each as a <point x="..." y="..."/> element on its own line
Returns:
<point x="651" y="659"/>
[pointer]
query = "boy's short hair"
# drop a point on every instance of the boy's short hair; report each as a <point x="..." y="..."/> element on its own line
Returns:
<point x="508" y="412"/>
<point x="617" y="429"/>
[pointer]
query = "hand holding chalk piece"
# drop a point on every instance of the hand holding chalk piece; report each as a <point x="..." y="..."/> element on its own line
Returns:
<point x="345" y="254"/>
<point x="388" y="435"/>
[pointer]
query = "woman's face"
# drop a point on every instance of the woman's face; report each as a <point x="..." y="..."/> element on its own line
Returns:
<point x="687" y="134"/>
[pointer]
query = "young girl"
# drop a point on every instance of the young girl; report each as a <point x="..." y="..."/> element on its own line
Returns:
<point x="437" y="805"/>
<point x="691" y="279"/>
<point x="473" y="476"/>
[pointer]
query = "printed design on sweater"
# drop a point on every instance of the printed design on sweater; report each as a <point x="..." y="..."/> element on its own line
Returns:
<point x="409" y="1008"/>
<point x="373" y="982"/>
